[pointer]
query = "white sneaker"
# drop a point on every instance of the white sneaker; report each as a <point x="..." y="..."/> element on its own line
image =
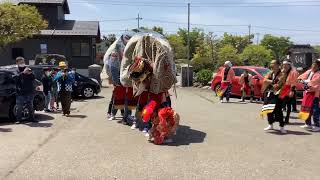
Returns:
<point x="221" y="101"/>
<point x="306" y="127"/>
<point x="316" y="129"/>
<point x="134" y="126"/>
<point x="108" y="115"/>
<point x="283" y="131"/>
<point x="270" y="127"/>
<point x="147" y="134"/>
<point x="112" y="118"/>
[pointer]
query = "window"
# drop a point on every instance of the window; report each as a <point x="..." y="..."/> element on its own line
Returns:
<point x="252" y="73"/>
<point x="85" y="49"/>
<point x="6" y="82"/>
<point x="17" y="52"/>
<point x="263" y="71"/>
<point x="238" y="72"/>
<point x="80" y="49"/>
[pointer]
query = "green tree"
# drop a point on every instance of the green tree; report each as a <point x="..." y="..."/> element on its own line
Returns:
<point x="204" y="76"/>
<point x="177" y="44"/>
<point x="277" y="45"/>
<point x="206" y="53"/>
<point x="158" y="29"/>
<point x="111" y="38"/>
<point x="196" y="39"/>
<point x="201" y="63"/>
<point x="256" y="55"/>
<point x="19" y="22"/>
<point x="228" y="53"/>
<point x="317" y="49"/>
<point x="238" y="42"/>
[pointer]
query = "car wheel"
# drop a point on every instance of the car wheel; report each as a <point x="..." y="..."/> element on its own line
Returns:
<point x="25" y="112"/>
<point x="12" y="116"/>
<point x="88" y="92"/>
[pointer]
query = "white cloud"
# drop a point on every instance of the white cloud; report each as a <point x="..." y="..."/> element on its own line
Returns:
<point x="90" y="6"/>
<point x="211" y="18"/>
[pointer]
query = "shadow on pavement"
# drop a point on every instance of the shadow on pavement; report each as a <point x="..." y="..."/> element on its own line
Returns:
<point x="77" y="116"/>
<point x="5" y="130"/>
<point x="186" y="136"/>
<point x="43" y="117"/>
<point x="235" y="102"/>
<point x="38" y="125"/>
<point x="290" y="132"/>
<point x="83" y="99"/>
<point x="40" y="117"/>
<point x="296" y="124"/>
<point x="293" y="117"/>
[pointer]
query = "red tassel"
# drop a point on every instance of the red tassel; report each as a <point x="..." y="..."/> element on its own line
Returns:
<point x="148" y="110"/>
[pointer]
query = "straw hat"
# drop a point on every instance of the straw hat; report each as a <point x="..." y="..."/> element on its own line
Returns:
<point x="62" y="64"/>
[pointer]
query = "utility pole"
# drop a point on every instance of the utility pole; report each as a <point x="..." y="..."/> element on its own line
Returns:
<point x="139" y="18"/>
<point x="188" y="56"/>
<point x="249" y="33"/>
<point x="258" y="38"/>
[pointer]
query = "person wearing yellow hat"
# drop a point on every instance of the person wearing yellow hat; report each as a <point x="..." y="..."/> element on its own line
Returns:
<point x="65" y="80"/>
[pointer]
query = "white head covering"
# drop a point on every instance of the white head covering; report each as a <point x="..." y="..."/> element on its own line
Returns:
<point x="287" y="62"/>
<point x="228" y="63"/>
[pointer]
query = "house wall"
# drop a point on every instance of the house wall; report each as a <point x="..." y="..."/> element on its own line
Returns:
<point x="302" y="57"/>
<point x="49" y="13"/>
<point x="55" y="45"/>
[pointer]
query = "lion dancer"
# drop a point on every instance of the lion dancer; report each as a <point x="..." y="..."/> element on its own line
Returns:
<point x="122" y="97"/>
<point x="310" y="102"/>
<point x="226" y="83"/>
<point x="289" y="90"/>
<point x="148" y="67"/>
<point x="272" y="106"/>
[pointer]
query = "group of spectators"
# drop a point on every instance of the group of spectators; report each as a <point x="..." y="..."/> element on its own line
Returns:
<point x="57" y="87"/>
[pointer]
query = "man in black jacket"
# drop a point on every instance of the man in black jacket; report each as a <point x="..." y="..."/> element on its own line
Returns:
<point x="25" y="82"/>
<point x="47" y="86"/>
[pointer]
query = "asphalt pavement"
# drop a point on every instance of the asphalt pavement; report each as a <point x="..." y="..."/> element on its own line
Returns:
<point x="214" y="141"/>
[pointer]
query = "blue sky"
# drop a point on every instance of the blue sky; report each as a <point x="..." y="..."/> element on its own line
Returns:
<point x="292" y="17"/>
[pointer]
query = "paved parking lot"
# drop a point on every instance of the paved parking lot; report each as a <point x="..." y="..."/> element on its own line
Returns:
<point x="215" y="141"/>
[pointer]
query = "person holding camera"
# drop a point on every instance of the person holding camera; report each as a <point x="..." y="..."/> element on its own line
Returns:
<point x="65" y="80"/>
<point x="26" y="87"/>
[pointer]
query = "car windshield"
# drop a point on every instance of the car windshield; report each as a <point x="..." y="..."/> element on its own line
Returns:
<point x="263" y="71"/>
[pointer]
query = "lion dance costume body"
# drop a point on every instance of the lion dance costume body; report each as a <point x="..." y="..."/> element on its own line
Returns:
<point x="148" y="67"/>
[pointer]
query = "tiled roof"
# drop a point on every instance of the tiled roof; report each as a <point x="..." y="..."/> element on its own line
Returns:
<point x="63" y="2"/>
<point x="74" y="28"/>
<point x="38" y="1"/>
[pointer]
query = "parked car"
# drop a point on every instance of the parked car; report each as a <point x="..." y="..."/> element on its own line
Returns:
<point x="49" y="59"/>
<point x="8" y="96"/>
<point x="83" y="86"/>
<point x="258" y="74"/>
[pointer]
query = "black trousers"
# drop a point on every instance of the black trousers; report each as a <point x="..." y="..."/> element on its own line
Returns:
<point x="65" y="98"/>
<point x="277" y="115"/>
<point x="294" y="102"/>
<point x="287" y="104"/>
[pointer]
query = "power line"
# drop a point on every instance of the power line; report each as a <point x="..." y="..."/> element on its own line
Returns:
<point x="286" y="29"/>
<point x="205" y="5"/>
<point x="235" y="25"/>
<point x="194" y="24"/>
<point x="195" y="3"/>
<point x="129" y="19"/>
